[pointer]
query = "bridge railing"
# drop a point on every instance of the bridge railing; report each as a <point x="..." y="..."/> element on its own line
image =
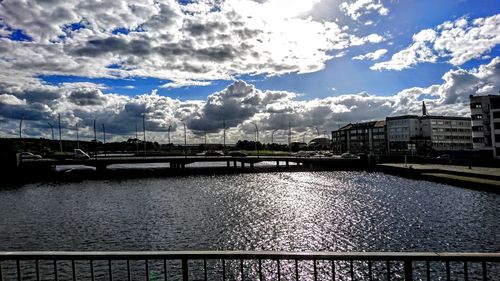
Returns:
<point x="247" y="265"/>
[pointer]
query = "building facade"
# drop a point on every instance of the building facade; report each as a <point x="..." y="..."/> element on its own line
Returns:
<point x="423" y="134"/>
<point x="367" y="137"/>
<point x="485" y="115"/>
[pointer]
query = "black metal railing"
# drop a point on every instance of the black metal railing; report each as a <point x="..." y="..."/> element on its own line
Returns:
<point x="247" y="265"/>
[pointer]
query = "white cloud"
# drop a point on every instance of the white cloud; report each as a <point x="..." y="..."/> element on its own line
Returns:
<point x="458" y="41"/>
<point x="357" y="8"/>
<point x="238" y="104"/>
<point x="188" y="44"/>
<point x="11" y="100"/>
<point x="371" y="56"/>
<point x="185" y="83"/>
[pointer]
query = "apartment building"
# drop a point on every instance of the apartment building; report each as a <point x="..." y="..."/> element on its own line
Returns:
<point x="424" y="134"/>
<point x="367" y="137"/>
<point x="485" y="115"/>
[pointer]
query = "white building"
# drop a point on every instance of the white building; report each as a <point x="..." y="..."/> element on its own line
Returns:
<point x="485" y="115"/>
<point x="428" y="133"/>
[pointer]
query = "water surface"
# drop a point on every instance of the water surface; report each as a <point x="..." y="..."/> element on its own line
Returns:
<point x="286" y="211"/>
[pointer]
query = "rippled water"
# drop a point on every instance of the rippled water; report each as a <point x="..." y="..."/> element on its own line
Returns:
<point x="298" y="211"/>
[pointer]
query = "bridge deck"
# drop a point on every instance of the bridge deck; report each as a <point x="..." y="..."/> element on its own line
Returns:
<point x="104" y="161"/>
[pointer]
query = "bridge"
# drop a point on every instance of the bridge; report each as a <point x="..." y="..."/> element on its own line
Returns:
<point x="180" y="162"/>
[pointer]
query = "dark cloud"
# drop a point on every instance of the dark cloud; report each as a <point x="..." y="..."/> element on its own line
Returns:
<point x="114" y="45"/>
<point x="86" y="97"/>
<point x="35" y="94"/>
<point x="196" y="28"/>
<point x="34" y="111"/>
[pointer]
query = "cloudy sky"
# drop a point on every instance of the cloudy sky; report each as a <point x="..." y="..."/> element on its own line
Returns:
<point x="313" y="64"/>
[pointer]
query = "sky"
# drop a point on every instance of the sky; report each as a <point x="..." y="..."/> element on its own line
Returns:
<point x="314" y="65"/>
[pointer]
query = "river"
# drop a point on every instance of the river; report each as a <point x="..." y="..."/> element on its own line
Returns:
<point x="285" y="211"/>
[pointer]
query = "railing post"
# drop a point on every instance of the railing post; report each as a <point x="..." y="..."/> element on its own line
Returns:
<point x="408" y="268"/>
<point x="185" y="276"/>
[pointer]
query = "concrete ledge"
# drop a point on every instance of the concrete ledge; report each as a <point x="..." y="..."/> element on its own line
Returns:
<point x="447" y="175"/>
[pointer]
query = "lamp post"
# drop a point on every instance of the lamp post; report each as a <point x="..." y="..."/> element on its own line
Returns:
<point x="21" y="127"/>
<point x="144" y="131"/>
<point x="272" y="137"/>
<point x="168" y="134"/>
<point x="52" y="129"/>
<point x="136" y="140"/>
<point x="256" y="138"/>
<point x="224" y="133"/>
<point x="77" y="137"/>
<point x="205" y="131"/>
<point x="104" y="139"/>
<point x="185" y="140"/>
<point x="21" y="133"/>
<point x="317" y="130"/>
<point x="95" y="139"/>
<point x="60" y="134"/>
<point x="289" y="137"/>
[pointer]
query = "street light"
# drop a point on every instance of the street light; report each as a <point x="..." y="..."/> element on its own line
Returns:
<point x="21" y="133"/>
<point x="60" y="134"/>
<point x="224" y="133"/>
<point x="205" y="131"/>
<point x="77" y="137"/>
<point x="317" y="130"/>
<point x="136" y="140"/>
<point x="21" y="128"/>
<point x="289" y="137"/>
<point x="95" y="139"/>
<point x="52" y="129"/>
<point x="169" y="127"/>
<point x="104" y="139"/>
<point x="185" y="140"/>
<point x="256" y="138"/>
<point x="144" y="131"/>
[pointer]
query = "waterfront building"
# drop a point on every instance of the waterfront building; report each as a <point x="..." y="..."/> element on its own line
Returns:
<point x="485" y="115"/>
<point x="366" y="137"/>
<point x="424" y="134"/>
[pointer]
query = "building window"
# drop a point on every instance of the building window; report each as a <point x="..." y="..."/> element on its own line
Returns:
<point x="496" y="114"/>
<point x="495" y="103"/>
<point x="478" y="140"/>
<point x="476" y="105"/>
<point x="477" y="128"/>
<point x="497" y="125"/>
<point x="477" y="117"/>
